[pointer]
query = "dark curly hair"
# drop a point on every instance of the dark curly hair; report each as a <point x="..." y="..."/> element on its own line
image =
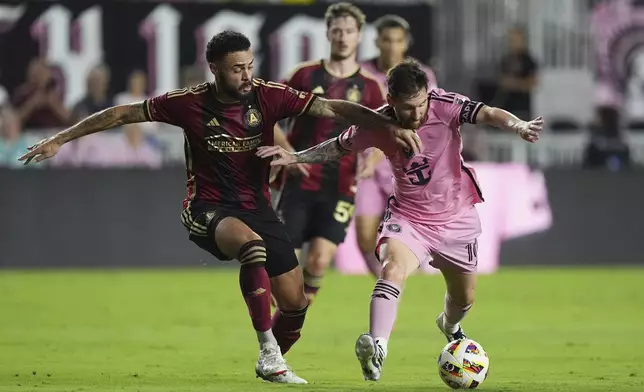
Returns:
<point x="226" y="42"/>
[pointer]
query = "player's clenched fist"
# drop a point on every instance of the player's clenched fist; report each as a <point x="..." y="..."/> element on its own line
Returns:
<point x="408" y="139"/>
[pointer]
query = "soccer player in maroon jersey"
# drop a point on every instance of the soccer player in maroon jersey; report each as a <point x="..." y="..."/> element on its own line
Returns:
<point x="227" y="210"/>
<point x="317" y="208"/>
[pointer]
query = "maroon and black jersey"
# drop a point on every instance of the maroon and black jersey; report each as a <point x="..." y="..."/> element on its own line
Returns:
<point x="307" y="131"/>
<point x="221" y="139"/>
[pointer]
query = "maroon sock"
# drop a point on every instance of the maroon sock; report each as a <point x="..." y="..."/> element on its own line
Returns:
<point x="287" y="326"/>
<point x="255" y="284"/>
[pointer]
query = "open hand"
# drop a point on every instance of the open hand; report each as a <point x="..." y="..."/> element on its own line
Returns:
<point x="530" y="130"/>
<point x="281" y="157"/>
<point x="42" y="150"/>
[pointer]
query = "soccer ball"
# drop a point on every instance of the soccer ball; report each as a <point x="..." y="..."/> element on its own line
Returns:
<point x="463" y="364"/>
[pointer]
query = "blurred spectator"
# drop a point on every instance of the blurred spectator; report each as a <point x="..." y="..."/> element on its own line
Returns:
<point x="518" y="76"/>
<point x="12" y="143"/>
<point x="39" y="102"/>
<point x="98" y="97"/>
<point x="4" y="97"/>
<point x="606" y="148"/>
<point x="191" y="76"/>
<point x="137" y="86"/>
<point x="103" y="150"/>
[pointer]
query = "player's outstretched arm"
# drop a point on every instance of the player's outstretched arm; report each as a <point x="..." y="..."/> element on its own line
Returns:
<point x="326" y="151"/>
<point x="364" y="117"/>
<point x="100" y="121"/>
<point x="499" y="118"/>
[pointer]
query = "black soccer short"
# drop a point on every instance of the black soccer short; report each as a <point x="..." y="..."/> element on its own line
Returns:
<point x="201" y="220"/>
<point x="310" y="214"/>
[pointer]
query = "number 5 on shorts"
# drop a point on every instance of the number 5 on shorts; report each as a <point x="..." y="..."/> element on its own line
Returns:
<point x="343" y="211"/>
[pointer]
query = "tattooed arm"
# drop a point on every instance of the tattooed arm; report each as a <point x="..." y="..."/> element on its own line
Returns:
<point x="326" y="151"/>
<point x="351" y="113"/>
<point x="105" y="119"/>
<point x="100" y="121"/>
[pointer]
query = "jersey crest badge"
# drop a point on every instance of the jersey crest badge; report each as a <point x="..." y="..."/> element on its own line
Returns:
<point x="354" y="94"/>
<point x="253" y="118"/>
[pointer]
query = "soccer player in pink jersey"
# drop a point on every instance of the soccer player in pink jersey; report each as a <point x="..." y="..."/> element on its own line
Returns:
<point x="374" y="174"/>
<point x="431" y="215"/>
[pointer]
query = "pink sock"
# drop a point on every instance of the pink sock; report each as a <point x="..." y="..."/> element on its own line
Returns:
<point x="384" y="307"/>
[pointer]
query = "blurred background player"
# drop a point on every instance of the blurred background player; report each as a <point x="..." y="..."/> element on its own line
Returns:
<point x="317" y="208"/>
<point x="432" y="217"/>
<point x="375" y="182"/>
<point x="227" y="211"/>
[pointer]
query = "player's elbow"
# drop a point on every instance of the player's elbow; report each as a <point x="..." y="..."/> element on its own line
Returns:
<point x="326" y="108"/>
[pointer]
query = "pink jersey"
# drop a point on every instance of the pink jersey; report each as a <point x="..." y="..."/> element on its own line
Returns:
<point x="431" y="187"/>
<point x="383" y="172"/>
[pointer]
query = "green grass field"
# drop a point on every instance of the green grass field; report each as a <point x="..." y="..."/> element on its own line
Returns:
<point x="544" y="329"/>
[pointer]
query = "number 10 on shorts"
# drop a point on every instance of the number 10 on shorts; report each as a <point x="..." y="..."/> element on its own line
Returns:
<point x="343" y="211"/>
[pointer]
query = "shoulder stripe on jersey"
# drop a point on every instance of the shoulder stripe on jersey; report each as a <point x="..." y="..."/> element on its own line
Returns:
<point x="442" y="97"/>
<point x="300" y="66"/>
<point x="198" y="89"/>
<point x="368" y="75"/>
<point x="257" y="82"/>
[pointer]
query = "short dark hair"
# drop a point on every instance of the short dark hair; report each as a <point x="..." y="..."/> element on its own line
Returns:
<point x="226" y="42"/>
<point x="391" y="22"/>
<point x="342" y="9"/>
<point x="406" y="79"/>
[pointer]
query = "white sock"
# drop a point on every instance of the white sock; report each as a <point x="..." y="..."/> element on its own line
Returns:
<point x="266" y="338"/>
<point x="382" y="342"/>
<point x="449" y="327"/>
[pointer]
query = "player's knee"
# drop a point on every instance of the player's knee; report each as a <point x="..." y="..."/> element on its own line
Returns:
<point x="394" y="270"/>
<point x="253" y="250"/>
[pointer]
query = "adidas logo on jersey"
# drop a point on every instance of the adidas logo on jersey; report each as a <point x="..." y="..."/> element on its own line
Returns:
<point x="213" y="123"/>
<point x="318" y="90"/>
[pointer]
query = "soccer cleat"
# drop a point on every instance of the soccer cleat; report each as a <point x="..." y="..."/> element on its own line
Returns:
<point x="458" y="335"/>
<point x="272" y="367"/>
<point x="371" y="356"/>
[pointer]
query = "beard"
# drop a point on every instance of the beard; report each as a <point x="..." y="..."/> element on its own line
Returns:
<point x="232" y="91"/>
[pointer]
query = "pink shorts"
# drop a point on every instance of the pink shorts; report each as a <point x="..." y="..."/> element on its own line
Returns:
<point x="450" y="246"/>
<point x="373" y="192"/>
